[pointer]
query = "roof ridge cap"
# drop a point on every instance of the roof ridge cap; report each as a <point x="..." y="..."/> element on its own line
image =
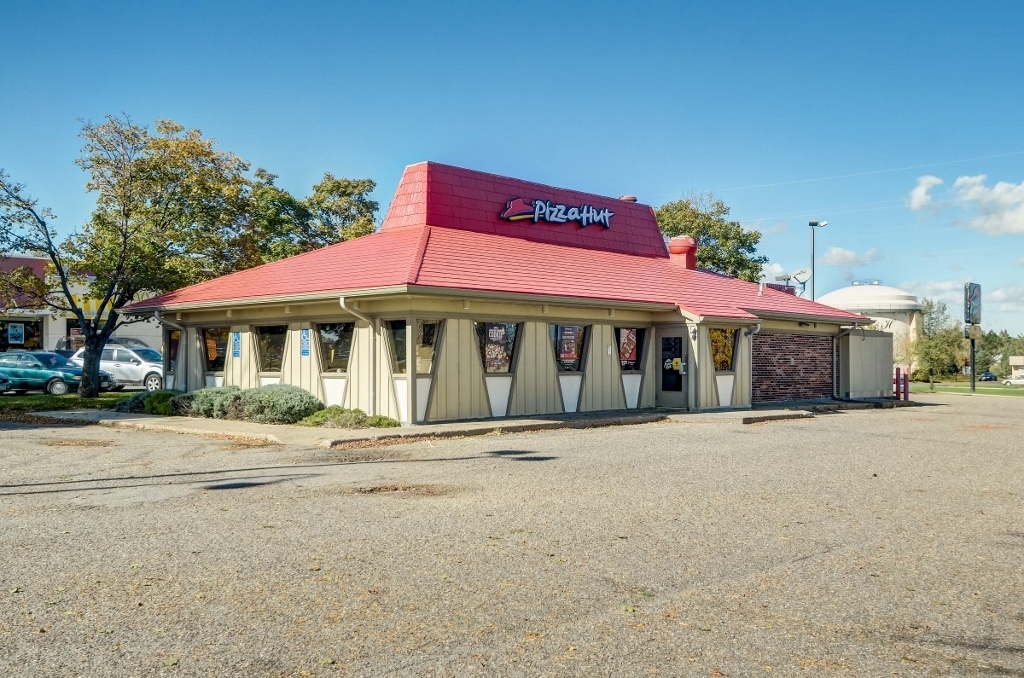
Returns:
<point x="416" y="265"/>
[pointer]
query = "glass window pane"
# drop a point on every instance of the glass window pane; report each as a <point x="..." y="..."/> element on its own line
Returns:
<point x="426" y="340"/>
<point x="335" y="345"/>
<point x="497" y="344"/>
<point x="671" y="359"/>
<point x="173" y="340"/>
<point x="107" y="354"/>
<point x="21" y="334"/>
<point x="569" y="341"/>
<point x="270" y="342"/>
<point x="723" y="345"/>
<point x="631" y="347"/>
<point x="215" y="341"/>
<point x="397" y="331"/>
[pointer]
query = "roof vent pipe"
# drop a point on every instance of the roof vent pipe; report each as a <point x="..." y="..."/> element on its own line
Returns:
<point x="683" y="249"/>
<point x="627" y="198"/>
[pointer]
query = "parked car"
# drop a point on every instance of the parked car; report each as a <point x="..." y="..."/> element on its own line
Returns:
<point x="1014" y="381"/>
<point x="139" y="365"/>
<point x="44" y="371"/>
<point x="988" y="376"/>
<point x="5" y="383"/>
<point x="68" y="346"/>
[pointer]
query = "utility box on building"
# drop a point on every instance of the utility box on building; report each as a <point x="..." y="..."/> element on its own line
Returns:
<point x="865" y="365"/>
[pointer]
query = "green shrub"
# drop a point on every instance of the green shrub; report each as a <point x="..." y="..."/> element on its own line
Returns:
<point x="181" y="404"/>
<point x="159" y="402"/>
<point x="133" y="404"/>
<point x="275" y="404"/>
<point x="380" y="421"/>
<point x="214" y="403"/>
<point x="336" y="416"/>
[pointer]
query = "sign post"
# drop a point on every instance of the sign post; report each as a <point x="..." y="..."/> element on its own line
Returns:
<point x="972" y="318"/>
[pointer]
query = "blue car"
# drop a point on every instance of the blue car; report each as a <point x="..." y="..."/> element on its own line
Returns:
<point x="44" y="371"/>
<point x="5" y="383"/>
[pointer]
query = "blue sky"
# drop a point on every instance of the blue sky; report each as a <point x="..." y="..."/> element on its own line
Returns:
<point x="758" y="102"/>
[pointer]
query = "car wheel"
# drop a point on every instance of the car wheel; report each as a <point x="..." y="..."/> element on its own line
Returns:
<point x="153" y="382"/>
<point x="56" y="387"/>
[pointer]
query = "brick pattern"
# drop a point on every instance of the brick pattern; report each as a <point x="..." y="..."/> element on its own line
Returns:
<point x="791" y="367"/>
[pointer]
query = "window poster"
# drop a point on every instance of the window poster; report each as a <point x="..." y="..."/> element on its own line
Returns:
<point x="499" y="338"/>
<point x="16" y="333"/>
<point x="569" y="343"/>
<point x="627" y="348"/>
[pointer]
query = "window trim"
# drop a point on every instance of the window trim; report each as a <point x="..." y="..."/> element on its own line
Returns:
<point x="584" y="350"/>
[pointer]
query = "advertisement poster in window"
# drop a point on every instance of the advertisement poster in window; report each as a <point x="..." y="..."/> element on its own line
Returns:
<point x="497" y="349"/>
<point x="16" y="333"/>
<point x="304" y="343"/>
<point x="627" y="349"/>
<point x="568" y="345"/>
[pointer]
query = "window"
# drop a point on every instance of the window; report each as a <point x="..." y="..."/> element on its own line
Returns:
<point x="215" y="340"/>
<point x="396" y="331"/>
<point x="426" y="340"/>
<point x="8" y="360"/>
<point x="497" y="346"/>
<point x="270" y="343"/>
<point x="21" y="334"/>
<point x="631" y="347"/>
<point x="335" y="346"/>
<point x="723" y="346"/>
<point x="107" y="355"/>
<point x="173" y="340"/>
<point x="569" y="341"/>
<point x="673" y="359"/>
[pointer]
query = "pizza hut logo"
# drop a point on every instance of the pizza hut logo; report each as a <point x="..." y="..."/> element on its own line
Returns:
<point x="518" y="209"/>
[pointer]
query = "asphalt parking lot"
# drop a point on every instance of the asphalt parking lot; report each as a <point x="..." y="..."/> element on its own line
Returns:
<point x="861" y="543"/>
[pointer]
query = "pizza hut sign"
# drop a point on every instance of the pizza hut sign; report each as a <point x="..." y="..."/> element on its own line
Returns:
<point x="518" y="209"/>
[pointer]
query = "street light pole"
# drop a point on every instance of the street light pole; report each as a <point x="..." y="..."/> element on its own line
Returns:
<point x="814" y="225"/>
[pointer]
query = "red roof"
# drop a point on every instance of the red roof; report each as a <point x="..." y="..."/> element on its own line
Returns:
<point x="427" y="240"/>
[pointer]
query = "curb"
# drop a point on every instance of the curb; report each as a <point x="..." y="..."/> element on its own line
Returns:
<point x="757" y="419"/>
<point x="256" y="437"/>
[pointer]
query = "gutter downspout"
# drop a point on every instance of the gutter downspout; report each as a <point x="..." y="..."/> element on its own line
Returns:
<point x="835" y="356"/>
<point x="373" y="351"/>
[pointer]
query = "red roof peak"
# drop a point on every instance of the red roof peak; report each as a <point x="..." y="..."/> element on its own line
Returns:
<point x="445" y="196"/>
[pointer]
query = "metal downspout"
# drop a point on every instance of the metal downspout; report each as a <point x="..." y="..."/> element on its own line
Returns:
<point x="373" y="351"/>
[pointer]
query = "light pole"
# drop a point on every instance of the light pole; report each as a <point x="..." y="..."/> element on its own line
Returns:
<point x="814" y="225"/>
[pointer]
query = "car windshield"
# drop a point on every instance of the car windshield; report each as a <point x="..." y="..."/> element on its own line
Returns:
<point x="149" y="355"/>
<point x="51" y="360"/>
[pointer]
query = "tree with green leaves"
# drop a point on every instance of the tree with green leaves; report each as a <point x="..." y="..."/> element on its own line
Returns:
<point x="723" y="246"/>
<point x="171" y="210"/>
<point x="941" y="348"/>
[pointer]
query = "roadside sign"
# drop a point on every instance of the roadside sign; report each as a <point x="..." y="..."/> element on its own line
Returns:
<point x="304" y="343"/>
<point x="972" y="304"/>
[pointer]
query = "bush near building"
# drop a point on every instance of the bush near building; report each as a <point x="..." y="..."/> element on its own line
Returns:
<point x="274" y="404"/>
<point x="339" y="417"/>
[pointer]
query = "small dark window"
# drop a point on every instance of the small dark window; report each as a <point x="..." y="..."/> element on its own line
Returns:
<point x="723" y="348"/>
<point x="569" y="341"/>
<point x="672" y="360"/>
<point x="396" y="331"/>
<point x="107" y="355"/>
<point x="335" y="346"/>
<point x="631" y="347"/>
<point x="215" y="341"/>
<point x="173" y="341"/>
<point x="271" y="341"/>
<point x="497" y="346"/>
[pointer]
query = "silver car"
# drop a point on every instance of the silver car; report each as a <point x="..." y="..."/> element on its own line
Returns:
<point x="136" y="366"/>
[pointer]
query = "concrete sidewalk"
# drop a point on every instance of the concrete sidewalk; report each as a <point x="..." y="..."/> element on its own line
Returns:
<point x="327" y="437"/>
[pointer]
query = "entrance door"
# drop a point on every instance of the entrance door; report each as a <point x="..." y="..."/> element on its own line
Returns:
<point x="672" y="379"/>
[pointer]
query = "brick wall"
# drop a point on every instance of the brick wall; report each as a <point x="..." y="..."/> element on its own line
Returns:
<point x="791" y="367"/>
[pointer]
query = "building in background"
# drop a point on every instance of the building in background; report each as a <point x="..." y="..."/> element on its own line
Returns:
<point x="890" y="309"/>
<point x="34" y="329"/>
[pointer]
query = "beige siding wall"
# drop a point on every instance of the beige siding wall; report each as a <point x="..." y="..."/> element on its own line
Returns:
<point x="300" y="371"/>
<point x="707" y="387"/>
<point x="387" y="404"/>
<point x="242" y="371"/>
<point x="458" y="389"/>
<point x="602" y="379"/>
<point x="742" y="368"/>
<point x="535" y="390"/>
<point x="649" y="386"/>
<point x="357" y="390"/>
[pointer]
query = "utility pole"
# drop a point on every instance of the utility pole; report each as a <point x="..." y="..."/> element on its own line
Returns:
<point x="814" y="225"/>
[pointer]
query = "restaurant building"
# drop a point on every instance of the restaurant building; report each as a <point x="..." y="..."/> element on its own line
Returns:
<point x="486" y="296"/>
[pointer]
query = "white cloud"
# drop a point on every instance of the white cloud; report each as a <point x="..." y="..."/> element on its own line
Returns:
<point x="1012" y="294"/>
<point x="949" y="291"/>
<point x="1019" y="262"/>
<point x="769" y="271"/>
<point x="919" y="197"/>
<point x="1000" y="208"/>
<point x="837" y="256"/>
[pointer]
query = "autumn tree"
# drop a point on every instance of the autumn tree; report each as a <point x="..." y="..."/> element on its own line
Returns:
<point x="723" y="246"/>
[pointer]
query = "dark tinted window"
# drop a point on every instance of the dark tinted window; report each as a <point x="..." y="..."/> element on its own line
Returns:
<point x="335" y="345"/>
<point x="497" y="346"/>
<point x="271" y="342"/>
<point x="631" y="347"/>
<point x="569" y="341"/>
<point x="215" y="340"/>
<point x="396" y="330"/>
<point x="106" y="354"/>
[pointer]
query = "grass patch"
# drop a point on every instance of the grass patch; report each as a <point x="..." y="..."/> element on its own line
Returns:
<point x="44" y="402"/>
<point x="982" y="388"/>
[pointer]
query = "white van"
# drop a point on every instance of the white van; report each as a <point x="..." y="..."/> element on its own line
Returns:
<point x="135" y="366"/>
